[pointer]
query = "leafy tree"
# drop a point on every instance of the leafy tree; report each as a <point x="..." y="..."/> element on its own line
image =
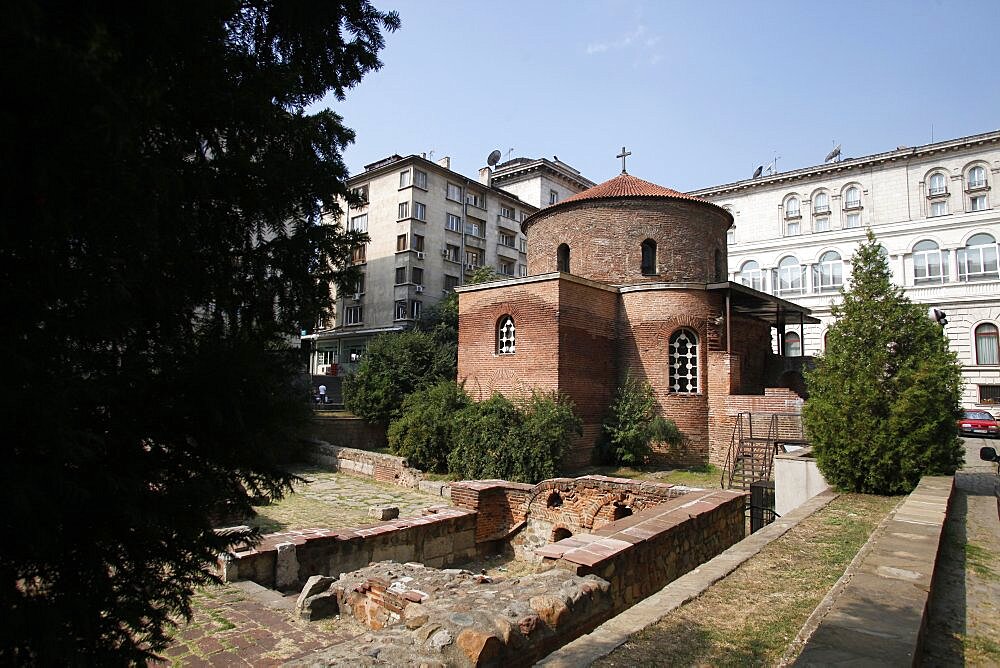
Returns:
<point x="423" y="434"/>
<point x="162" y="237"/>
<point x="394" y="366"/>
<point x="633" y="425"/>
<point x="523" y="441"/>
<point x="884" y="398"/>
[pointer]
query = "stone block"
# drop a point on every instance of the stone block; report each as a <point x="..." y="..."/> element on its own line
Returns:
<point x="383" y="513"/>
<point x="286" y="566"/>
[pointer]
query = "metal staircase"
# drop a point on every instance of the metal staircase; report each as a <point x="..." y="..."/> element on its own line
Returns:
<point x="757" y="437"/>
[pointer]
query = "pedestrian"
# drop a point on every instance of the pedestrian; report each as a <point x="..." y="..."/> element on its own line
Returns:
<point x="322" y="394"/>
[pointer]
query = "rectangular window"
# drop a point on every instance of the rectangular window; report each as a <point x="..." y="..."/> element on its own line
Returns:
<point x="821" y="224"/>
<point x="506" y="239"/>
<point x="358" y="223"/>
<point x="553" y="197"/>
<point x="415" y="309"/>
<point x="359" y="286"/>
<point x="852" y="220"/>
<point x="404" y="210"/>
<point x="400" y="242"/>
<point x="474" y="229"/>
<point x="453" y="223"/>
<point x="420" y="179"/>
<point x="400" y="310"/>
<point x="506" y="212"/>
<point x="792" y="228"/>
<point x="476" y="200"/>
<point x="451" y="253"/>
<point x="977" y="263"/>
<point x="989" y="394"/>
<point x="506" y="267"/>
<point x="790" y="280"/>
<point x="417" y="275"/>
<point x="358" y="254"/>
<point x="419" y="211"/>
<point x="522" y="269"/>
<point x="418" y="243"/>
<point x="523" y="246"/>
<point x="450" y="282"/>
<point x="472" y="259"/>
<point x="928" y="266"/>
<point x="730" y="236"/>
<point x="400" y="275"/>
<point x="404" y="179"/>
<point x="361" y="193"/>
<point x="353" y="315"/>
<point x="977" y="203"/>
<point x="939" y="208"/>
<point x="454" y="192"/>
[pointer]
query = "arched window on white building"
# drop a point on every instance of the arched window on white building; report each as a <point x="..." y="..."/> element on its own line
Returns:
<point x="751" y="275"/>
<point x="793" y="344"/>
<point x="977" y="261"/>
<point x="789" y="276"/>
<point x="828" y="274"/>
<point x="928" y="262"/>
<point x="987" y="344"/>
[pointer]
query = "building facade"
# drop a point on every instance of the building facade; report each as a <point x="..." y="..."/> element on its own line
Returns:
<point x="934" y="209"/>
<point x="429" y="229"/>
<point x="629" y="277"/>
<point x="540" y="181"/>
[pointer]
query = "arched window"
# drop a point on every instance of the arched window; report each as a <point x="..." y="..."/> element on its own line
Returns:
<point x="977" y="177"/>
<point x="852" y="198"/>
<point x="928" y="262"/>
<point x="793" y="225"/>
<point x="684" y="362"/>
<point x="826" y="340"/>
<point x="821" y="203"/>
<point x="987" y="344"/>
<point x="562" y="258"/>
<point x="793" y="344"/>
<point x="648" y="257"/>
<point x="829" y="272"/>
<point x="978" y="260"/>
<point x="505" y="336"/>
<point x="789" y="276"/>
<point x="751" y="275"/>
<point x="792" y="207"/>
<point x="937" y="184"/>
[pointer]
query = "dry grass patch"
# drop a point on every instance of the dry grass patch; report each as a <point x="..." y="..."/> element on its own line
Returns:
<point x="751" y="616"/>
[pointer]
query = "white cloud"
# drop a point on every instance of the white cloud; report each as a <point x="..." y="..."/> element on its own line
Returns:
<point x="635" y="40"/>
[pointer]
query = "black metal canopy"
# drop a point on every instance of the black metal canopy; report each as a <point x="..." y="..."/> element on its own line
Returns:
<point x="773" y="310"/>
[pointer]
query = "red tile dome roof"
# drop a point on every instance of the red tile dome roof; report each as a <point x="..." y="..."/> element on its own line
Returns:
<point x="623" y="186"/>
<point x="626" y="185"/>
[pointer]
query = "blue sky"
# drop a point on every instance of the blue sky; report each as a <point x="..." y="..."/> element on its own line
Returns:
<point x="700" y="92"/>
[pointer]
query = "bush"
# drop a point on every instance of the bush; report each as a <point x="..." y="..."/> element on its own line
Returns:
<point x="632" y="425"/>
<point x="423" y="434"/>
<point x="884" y="398"/>
<point x="522" y="442"/>
<point x="394" y="366"/>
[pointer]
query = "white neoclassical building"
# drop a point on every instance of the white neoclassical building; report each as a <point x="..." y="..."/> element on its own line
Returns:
<point x="934" y="208"/>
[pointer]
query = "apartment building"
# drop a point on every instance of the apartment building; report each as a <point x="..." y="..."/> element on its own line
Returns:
<point x="540" y="181"/>
<point x="429" y="229"/>
<point x="934" y="209"/>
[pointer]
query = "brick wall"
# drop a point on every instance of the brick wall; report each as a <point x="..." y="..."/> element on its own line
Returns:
<point x="605" y="240"/>
<point x="442" y="537"/>
<point x="641" y="554"/>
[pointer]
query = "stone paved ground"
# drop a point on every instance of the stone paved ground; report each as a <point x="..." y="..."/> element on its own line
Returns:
<point x="235" y="627"/>
<point x="964" y="621"/>
<point x="338" y="501"/>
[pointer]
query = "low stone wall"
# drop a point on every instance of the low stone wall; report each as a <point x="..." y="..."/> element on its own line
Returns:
<point x="376" y="465"/>
<point x="642" y="553"/>
<point x="440" y="537"/>
<point x="879" y="608"/>
<point x="348" y="432"/>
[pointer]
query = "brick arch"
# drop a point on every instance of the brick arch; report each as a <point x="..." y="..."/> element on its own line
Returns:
<point x="625" y="498"/>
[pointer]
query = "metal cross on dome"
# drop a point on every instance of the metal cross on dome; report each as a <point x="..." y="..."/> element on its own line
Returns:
<point x="624" y="154"/>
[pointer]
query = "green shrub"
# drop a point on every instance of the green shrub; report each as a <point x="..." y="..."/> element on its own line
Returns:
<point x="394" y="366"/>
<point x="632" y="425"/>
<point x="884" y="398"/>
<point x="522" y="441"/>
<point x="423" y="434"/>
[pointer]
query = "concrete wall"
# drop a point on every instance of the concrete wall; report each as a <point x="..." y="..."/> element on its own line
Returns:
<point x="348" y="432"/>
<point x="796" y="480"/>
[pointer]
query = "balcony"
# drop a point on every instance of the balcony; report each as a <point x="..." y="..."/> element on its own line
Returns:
<point x="822" y="209"/>
<point x="976" y="185"/>
<point x="852" y="204"/>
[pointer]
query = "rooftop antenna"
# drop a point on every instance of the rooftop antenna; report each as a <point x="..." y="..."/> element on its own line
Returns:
<point x="757" y="172"/>
<point x="430" y="155"/>
<point x="509" y="151"/>
<point x="494" y="158"/>
<point x="772" y="168"/>
<point x="834" y="154"/>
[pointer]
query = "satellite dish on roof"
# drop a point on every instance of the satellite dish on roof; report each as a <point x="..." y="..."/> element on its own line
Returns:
<point x="835" y="153"/>
<point x="757" y="172"/>
<point x="494" y="158"/>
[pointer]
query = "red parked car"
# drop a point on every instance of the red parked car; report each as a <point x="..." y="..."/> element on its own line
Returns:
<point x="978" y="423"/>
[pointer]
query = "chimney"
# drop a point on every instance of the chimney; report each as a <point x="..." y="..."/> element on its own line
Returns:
<point x="445" y="162"/>
<point x="486" y="176"/>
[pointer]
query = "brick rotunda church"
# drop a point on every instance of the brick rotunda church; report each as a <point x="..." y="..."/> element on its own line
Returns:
<point x="629" y="275"/>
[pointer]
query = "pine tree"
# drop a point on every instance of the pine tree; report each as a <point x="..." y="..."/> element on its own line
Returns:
<point x="164" y="197"/>
<point x="884" y="397"/>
